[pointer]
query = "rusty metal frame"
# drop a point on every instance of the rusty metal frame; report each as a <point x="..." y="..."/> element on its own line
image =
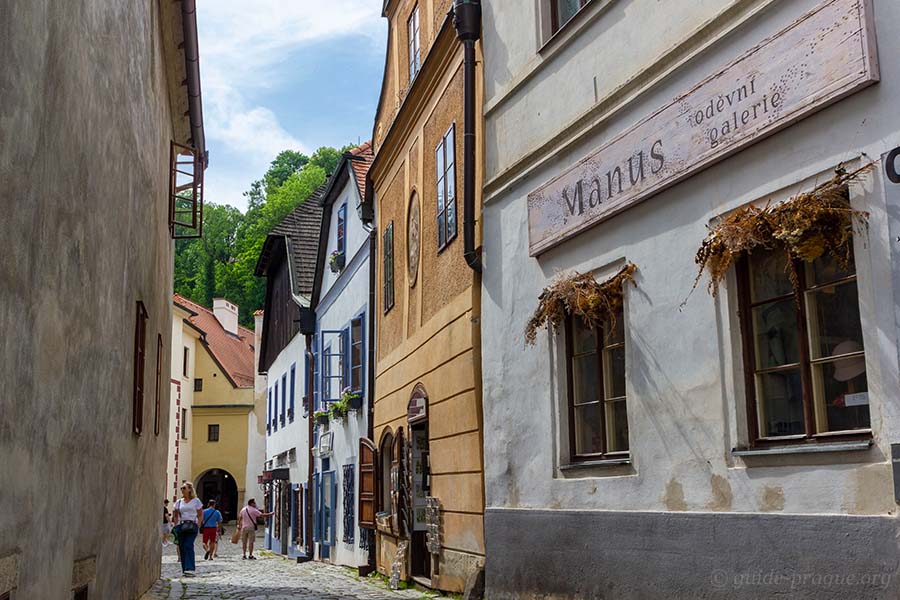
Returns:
<point x="180" y="157"/>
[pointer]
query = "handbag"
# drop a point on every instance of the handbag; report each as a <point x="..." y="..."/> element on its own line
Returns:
<point x="188" y="528"/>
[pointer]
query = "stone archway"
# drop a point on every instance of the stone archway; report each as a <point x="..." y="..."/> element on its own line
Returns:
<point x="219" y="485"/>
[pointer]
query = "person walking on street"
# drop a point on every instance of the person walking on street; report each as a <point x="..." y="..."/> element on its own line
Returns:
<point x="247" y="525"/>
<point x="188" y="511"/>
<point x="167" y="523"/>
<point x="212" y="521"/>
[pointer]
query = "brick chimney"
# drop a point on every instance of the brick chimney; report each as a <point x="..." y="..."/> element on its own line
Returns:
<point x="227" y="315"/>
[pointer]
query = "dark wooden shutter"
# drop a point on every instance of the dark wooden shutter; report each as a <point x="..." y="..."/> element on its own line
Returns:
<point x="159" y="383"/>
<point x="400" y="488"/>
<point x="368" y="461"/>
<point x="140" y="352"/>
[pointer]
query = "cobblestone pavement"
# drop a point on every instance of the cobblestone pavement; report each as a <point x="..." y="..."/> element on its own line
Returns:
<point x="269" y="578"/>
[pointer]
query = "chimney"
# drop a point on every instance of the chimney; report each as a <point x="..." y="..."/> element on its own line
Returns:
<point x="227" y="315"/>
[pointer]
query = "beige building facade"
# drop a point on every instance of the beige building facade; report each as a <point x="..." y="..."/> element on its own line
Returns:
<point x="427" y="410"/>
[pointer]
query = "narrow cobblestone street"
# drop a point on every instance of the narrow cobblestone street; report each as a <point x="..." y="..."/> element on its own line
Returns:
<point x="269" y="578"/>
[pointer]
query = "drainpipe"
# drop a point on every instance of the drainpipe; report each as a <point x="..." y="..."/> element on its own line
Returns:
<point x="192" y="81"/>
<point x="467" y="21"/>
<point x="310" y="424"/>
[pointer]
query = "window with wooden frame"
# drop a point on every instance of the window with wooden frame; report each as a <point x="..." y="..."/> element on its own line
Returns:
<point x="157" y="409"/>
<point x="212" y="432"/>
<point x="385" y="459"/>
<point x="445" y="159"/>
<point x="388" y="266"/>
<point x="803" y="350"/>
<point x="415" y="51"/>
<point x="284" y="399"/>
<point x="562" y="11"/>
<point x="140" y="359"/>
<point x="269" y="413"/>
<point x="598" y="420"/>
<point x="185" y="359"/>
<point x="198" y="384"/>
<point x="275" y="414"/>
<point x="184" y="426"/>
<point x="185" y="192"/>
<point x="355" y="361"/>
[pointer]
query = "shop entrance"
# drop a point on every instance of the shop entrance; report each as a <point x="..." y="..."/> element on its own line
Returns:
<point x="219" y="485"/>
<point x="420" y="484"/>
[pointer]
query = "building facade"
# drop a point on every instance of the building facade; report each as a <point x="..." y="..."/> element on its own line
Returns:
<point x="341" y="294"/>
<point x="184" y="343"/>
<point x="288" y="262"/>
<point x="93" y="99"/>
<point x="221" y="428"/>
<point x="427" y="446"/>
<point x="689" y="444"/>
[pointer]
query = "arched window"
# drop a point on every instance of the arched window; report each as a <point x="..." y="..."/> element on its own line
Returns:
<point x="385" y="457"/>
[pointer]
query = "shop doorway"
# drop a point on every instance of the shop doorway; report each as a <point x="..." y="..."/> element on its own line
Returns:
<point x="219" y="485"/>
<point x="420" y="484"/>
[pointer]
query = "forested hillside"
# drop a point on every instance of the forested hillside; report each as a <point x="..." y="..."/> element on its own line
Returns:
<point x="221" y="263"/>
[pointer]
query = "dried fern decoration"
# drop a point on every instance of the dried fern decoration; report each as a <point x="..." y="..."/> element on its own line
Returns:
<point x="581" y="295"/>
<point x="809" y="225"/>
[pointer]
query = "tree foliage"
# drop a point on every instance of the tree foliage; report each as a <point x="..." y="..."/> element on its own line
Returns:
<point x="223" y="261"/>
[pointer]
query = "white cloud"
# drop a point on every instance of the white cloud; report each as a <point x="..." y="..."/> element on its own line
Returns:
<point x="243" y="49"/>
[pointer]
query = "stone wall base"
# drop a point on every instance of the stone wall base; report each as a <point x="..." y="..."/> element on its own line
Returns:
<point x="554" y="554"/>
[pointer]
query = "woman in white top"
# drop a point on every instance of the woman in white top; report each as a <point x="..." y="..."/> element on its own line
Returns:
<point x="187" y="513"/>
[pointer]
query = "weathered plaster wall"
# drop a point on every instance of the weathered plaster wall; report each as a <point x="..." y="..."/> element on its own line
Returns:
<point x="686" y="401"/>
<point x="85" y="124"/>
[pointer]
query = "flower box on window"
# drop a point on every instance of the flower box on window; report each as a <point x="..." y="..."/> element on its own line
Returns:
<point x="336" y="261"/>
<point x="352" y="400"/>
<point x="321" y="417"/>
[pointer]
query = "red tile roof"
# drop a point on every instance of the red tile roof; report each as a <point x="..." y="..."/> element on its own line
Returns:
<point x="361" y="165"/>
<point x="233" y="353"/>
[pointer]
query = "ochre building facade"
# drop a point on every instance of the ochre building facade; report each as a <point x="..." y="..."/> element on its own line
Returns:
<point x="427" y="409"/>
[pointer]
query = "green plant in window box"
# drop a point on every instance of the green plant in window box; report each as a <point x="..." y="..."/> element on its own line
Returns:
<point x="321" y="417"/>
<point x="338" y="410"/>
<point x="336" y="261"/>
<point x="352" y="399"/>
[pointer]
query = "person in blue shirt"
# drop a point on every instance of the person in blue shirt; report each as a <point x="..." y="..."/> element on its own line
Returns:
<point x="211" y="523"/>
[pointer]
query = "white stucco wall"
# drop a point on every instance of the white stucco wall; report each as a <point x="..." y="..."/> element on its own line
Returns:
<point x="683" y="361"/>
<point x="256" y="424"/>
<point x="293" y="435"/>
<point x="344" y="296"/>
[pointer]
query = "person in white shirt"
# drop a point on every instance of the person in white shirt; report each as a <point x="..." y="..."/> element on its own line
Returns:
<point x="188" y="510"/>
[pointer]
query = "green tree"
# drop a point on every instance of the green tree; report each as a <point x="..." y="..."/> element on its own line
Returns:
<point x="223" y="262"/>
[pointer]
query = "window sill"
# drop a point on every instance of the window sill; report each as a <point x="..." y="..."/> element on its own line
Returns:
<point x="804" y="449"/>
<point x="603" y="462"/>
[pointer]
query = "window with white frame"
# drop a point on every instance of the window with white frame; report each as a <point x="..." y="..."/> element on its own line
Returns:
<point x="415" y="52"/>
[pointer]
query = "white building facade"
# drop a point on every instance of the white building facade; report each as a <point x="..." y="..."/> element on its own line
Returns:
<point x="341" y="300"/>
<point x="737" y="445"/>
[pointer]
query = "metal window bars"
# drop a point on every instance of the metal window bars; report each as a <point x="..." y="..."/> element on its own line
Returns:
<point x="185" y="192"/>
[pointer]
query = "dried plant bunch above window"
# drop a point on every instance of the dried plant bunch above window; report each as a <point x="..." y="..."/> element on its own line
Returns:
<point x="809" y="225"/>
<point x="580" y="295"/>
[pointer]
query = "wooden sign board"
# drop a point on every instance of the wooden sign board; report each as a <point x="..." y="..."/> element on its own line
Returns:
<point x="822" y="57"/>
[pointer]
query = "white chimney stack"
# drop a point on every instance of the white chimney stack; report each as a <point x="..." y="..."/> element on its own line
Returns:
<point x="227" y="315"/>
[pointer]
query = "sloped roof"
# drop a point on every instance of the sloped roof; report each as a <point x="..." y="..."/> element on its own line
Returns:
<point x="362" y="157"/>
<point x="233" y="353"/>
<point x="301" y="228"/>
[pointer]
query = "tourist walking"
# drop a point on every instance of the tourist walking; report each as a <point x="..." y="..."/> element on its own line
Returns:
<point x="247" y="526"/>
<point x="212" y="522"/>
<point x="166" y="523"/>
<point x="188" y="512"/>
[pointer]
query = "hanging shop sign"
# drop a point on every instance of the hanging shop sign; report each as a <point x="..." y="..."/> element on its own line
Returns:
<point x="819" y="59"/>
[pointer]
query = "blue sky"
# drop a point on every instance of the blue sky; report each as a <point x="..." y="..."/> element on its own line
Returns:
<point x="279" y="74"/>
